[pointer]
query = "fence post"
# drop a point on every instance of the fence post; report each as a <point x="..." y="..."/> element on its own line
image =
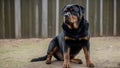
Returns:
<point x="44" y="18"/>
<point x="87" y="10"/>
<point x="115" y="18"/>
<point x="3" y="19"/>
<point x="17" y="18"/>
<point x="101" y="17"/>
<point x="57" y="17"/>
<point x="36" y="19"/>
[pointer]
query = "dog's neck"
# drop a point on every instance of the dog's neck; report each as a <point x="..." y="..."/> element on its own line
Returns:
<point x="75" y="33"/>
<point x="71" y="30"/>
<point x="73" y="26"/>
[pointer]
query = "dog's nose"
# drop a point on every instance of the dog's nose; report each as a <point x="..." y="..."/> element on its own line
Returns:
<point x="66" y="16"/>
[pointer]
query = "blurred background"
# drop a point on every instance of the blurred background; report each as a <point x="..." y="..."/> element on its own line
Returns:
<point x="27" y="26"/>
<point x="43" y="19"/>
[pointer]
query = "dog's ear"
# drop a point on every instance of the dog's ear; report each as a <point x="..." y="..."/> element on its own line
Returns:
<point x="81" y="9"/>
<point x="64" y="8"/>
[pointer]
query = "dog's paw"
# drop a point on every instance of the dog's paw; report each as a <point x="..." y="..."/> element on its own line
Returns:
<point x="48" y="62"/>
<point x="90" y="65"/>
<point x="66" y="65"/>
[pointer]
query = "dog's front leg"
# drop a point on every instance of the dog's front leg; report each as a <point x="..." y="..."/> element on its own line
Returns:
<point x="86" y="47"/>
<point x="67" y="59"/>
<point x="87" y="57"/>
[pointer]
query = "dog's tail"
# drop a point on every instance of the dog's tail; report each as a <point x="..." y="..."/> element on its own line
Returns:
<point x="39" y="59"/>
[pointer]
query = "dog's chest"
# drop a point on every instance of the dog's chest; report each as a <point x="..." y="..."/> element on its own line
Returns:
<point x="74" y="33"/>
<point x="74" y="45"/>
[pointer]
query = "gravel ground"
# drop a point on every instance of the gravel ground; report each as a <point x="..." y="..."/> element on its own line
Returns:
<point x="17" y="53"/>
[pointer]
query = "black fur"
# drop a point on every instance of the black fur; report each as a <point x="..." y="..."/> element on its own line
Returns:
<point x="75" y="45"/>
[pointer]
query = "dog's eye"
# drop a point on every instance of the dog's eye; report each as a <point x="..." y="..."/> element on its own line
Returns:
<point x="66" y="10"/>
<point x="71" y="10"/>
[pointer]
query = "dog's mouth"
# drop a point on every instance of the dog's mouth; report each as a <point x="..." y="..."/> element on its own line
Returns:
<point x="70" y="19"/>
<point x="68" y="22"/>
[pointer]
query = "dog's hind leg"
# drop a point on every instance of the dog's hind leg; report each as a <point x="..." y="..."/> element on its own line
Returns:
<point x="49" y="57"/>
<point x="52" y="49"/>
<point x="58" y="55"/>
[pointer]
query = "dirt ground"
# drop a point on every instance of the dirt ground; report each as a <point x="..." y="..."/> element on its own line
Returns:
<point x="17" y="53"/>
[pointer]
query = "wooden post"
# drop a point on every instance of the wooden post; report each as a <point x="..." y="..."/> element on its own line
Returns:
<point x="87" y="10"/>
<point x="36" y="19"/>
<point x="3" y="17"/>
<point x="57" y="17"/>
<point x="17" y="19"/>
<point x="44" y="18"/>
<point x="101" y="17"/>
<point x="115" y="19"/>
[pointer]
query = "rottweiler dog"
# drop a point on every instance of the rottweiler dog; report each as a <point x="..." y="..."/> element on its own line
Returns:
<point x="74" y="37"/>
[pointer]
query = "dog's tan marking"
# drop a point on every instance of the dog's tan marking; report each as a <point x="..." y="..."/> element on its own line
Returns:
<point x="87" y="56"/>
<point x="83" y="38"/>
<point x="69" y="38"/>
<point x="67" y="59"/>
<point x="48" y="61"/>
<point x="78" y="61"/>
<point x="75" y="25"/>
<point x="69" y="26"/>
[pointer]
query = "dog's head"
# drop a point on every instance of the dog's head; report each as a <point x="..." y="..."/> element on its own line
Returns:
<point x="72" y="13"/>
